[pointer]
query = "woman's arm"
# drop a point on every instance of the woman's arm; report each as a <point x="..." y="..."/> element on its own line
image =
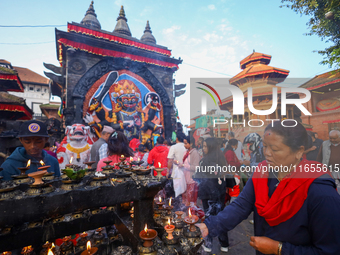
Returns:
<point x="234" y="213"/>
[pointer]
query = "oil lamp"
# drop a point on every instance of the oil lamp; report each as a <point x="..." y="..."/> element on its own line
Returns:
<point x="98" y="236"/>
<point x="38" y="176"/>
<point x="6" y="253"/>
<point x="159" y="170"/>
<point x="169" y="229"/>
<point x="81" y="244"/>
<point x="24" y="169"/>
<point x="160" y="203"/>
<point x="191" y="220"/>
<point x="23" y="177"/>
<point x="50" y="252"/>
<point x="147" y="235"/>
<point x="89" y="250"/>
<point x="43" y="167"/>
<point x="67" y="246"/>
<point x="169" y="207"/>
<point x="131" y="212"/>
<point x="179" y="214"/>
<point x="28" y="250"/>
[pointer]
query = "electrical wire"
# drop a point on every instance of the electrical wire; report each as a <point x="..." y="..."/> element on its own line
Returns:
<point x="35" y="26"/>
<point x="27" y="43"/>
<point x="207" y="69"/>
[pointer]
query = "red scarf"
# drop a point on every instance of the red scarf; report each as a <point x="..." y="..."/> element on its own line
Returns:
<point x="289" y="195"/>
<point x="186" y="155"/>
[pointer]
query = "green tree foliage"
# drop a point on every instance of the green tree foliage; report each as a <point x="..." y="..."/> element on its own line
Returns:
<point x="327" y="29"/>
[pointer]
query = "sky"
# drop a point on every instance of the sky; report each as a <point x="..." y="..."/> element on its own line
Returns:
<point x="211" y="37"/>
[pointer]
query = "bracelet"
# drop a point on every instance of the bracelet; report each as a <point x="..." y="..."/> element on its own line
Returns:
<point x="279" y="249"/>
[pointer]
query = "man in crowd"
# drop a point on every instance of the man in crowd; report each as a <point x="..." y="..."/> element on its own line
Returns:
<point x="33" y="136"/>
<point x="104" y="137"/>
<point x="329" y="155"/>
<point x="238" y="151"/>
<point x="312" y="152"/>
<point x="159" y="154"/>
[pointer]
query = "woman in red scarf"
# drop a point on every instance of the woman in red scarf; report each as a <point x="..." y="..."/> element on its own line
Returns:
<point x="294" y="201"/>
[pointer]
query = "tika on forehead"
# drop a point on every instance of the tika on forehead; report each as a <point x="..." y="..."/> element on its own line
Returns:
<point x="268" y="134"/>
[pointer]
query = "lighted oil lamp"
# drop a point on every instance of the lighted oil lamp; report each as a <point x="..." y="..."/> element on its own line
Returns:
<point x="159" y="170"/>
<point x="191" y="220"/>
<point x="160" y="203"/>
<point x="6" y="253"/>
<point x="122" y="158"/>
<point x="70" y="165"/>
<point x="147" y="235"/>
<point x="22" y="177"/>
<point x="46" y="248"/>
<point x="28" y="250"/>
<point x="169" y="229"/>
<point x="43" y="167"/>
<point x="136" y="162"/>
<point x="24" y="169"/>
<point x="169" y="207"/>
<point x="50" y="252"/>
<point x="89" y="250"/>
<point x="81" y="244"/>
<point x="67" y="246"/>
<point x="131" y="212"/>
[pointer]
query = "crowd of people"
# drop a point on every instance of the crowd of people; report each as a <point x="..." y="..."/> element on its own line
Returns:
<point x="295" y="212"/>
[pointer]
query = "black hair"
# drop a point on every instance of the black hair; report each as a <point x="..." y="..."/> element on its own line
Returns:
<point x="180" y="136"/>
<point x="118" y="144"/>
<point x="47" y="145"/>
<point x="187" y="138"/>
<point x="141" y="148"/>
<point x="293" y="137"/>
<point x="214" y="152"/>
<point x="148" y="145"/>
<point x="160" y="140"/>
<point x="232" y="142"/>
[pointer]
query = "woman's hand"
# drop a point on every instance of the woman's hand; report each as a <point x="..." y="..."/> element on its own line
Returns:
<point x="203" y="228"/>
<point x="264" y="244"/>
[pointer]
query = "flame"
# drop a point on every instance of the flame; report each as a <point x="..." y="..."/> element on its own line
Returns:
<point x="159" y="164"/>
<point x="27" y="249"/>
<point x="169" y="221"/>
<point x="41" y="162"/>
<point x="131" y="158"/>
<point x="53" y="246"/>
<point x="160" y="199"/>
<point x="122" y="156"/>
<point x="132" y="209"/>
<point x="190" y="213"/>
<point x="50" y="252"/>
<point x="170" y="201"/>
<point x="71" y="159"/>
<point x="88" y="246"/>
<point x="146" y="228"/>
<point x="138" y="158"/>
<point x="28" y="163"/>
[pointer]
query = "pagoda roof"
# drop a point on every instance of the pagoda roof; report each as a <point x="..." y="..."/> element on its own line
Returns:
<point x="13" y="107"/>
<point x="323" y="81"/>
<point x="257" y="71"/>
<point x="4" y="61"/>
<point x="29" y="76"/>
<point x="255" y="57"/>
<point x="113" y="44"/>
<point x="9" y="80"/>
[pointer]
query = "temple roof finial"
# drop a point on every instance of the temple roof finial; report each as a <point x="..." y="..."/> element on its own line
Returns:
<point x="90" y="20"/>
<point x="147" y="36"/>
<point x="122" y="26"/>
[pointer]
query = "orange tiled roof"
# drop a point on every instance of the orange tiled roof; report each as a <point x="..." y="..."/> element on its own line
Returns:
<point x="255" y="56"/>
<point x="322" y="80"/>
<point x="258" y="69"/>
<point x="4" y="61"/>
<point x="27" y="75"/>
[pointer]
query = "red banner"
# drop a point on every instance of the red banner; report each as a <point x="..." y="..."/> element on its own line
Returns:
<point x="117" y="39"/>
<point x="111" y="53"/>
